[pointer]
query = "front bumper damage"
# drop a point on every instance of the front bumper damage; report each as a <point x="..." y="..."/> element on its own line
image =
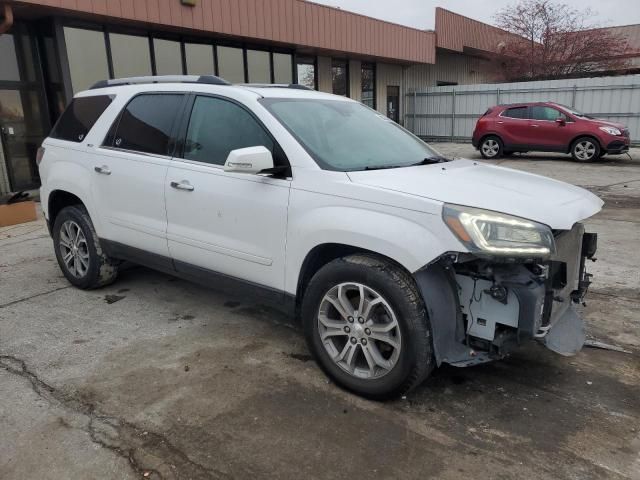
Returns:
<point x="489" y="307"/>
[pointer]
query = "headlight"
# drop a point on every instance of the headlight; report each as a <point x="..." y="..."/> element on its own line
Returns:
<point x="611" y="130"/>
<point x="494" y="233"/>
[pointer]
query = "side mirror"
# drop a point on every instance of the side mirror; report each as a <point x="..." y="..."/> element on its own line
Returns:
<point x="561" y="121"/>
<point x="252" y="160"/>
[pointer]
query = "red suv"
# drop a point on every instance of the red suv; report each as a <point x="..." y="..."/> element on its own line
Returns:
<point x="547" y="127"/>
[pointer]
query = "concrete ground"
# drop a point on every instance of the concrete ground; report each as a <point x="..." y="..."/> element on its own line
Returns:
<point x="155" y="377"/>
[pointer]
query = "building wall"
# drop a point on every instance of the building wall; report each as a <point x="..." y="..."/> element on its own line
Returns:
<point x="450" y="67"/>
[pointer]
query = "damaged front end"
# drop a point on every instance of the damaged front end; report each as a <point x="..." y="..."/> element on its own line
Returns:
<point x="492" y="304"/>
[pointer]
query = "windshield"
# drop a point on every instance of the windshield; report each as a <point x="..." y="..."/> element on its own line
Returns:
<point x="573" y="111"/>
<point x="348" y="136"/>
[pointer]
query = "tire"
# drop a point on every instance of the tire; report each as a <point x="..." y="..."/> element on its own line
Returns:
<point x="89" y="267"/>
<point x="585" y="149"/>
<point x="397" y="315"/>
<point x="491" y="147"/>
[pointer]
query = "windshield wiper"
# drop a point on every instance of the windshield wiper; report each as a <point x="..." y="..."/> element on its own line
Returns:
<point x="430" y="161"/>
<point x="383" y="167"/>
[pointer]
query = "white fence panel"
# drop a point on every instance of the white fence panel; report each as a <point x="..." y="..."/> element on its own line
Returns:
<point x="450" y="113"/>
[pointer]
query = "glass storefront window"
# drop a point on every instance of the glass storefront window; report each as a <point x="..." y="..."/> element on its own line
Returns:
<point x="282" y="68"/>
<point x="199" y="59"/>
<point x="340" y="77"/>
<point x="258" y="66"/>
<point x="87" y="55"/>
<point x="168" y="57"/>
<point x="130" y="55"/>
<point x="306" y="71"/>
<point x="231" y="64"/>
<point x="369" y="84"/>
<point x="8" y="59"/>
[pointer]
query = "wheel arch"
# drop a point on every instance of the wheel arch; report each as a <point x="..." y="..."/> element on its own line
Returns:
<point x="584" y="135"/>
<point x="59" y="199"/>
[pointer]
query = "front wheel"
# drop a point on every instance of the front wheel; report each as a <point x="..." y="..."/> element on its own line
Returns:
<point x="491" y="147"/>
<point x="585" y="149"/>
<point x="366" y="325"/>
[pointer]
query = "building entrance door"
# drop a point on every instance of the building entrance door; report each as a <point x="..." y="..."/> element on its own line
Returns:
<point x="21" y="134"/>
<point x="393" y="103"/>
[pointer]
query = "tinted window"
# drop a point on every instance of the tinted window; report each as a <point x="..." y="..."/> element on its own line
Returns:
<point x="145" y="124"/>
<point x="79" y="117"/>
<point x="282" y="68"/>
<point x="168" y="57"/>
<point x="258" y="66"/>
<point x="517" y="112"/>
<point x="87" y="54"/>
<point x="231" y="64"/>
<point x="218" y="126"/>
<point x="368" y="84"/>
<point x="199" y="59"/>
<point x="340" y="78"/>
<point x="130" y="54"/>
<point x="546" y="113"/>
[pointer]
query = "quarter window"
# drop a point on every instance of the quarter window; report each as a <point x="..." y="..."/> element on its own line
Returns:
<point x="516" y="112"/>
<point x="145" y="124"/>
<point x="546" y="113"/>
<point x="79" y="117"/>
<point x="219" y="126"/>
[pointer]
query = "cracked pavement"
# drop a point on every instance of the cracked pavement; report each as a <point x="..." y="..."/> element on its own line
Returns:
<point x="154" y="377"/>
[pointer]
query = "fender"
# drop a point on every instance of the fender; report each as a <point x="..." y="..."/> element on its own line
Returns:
<point x="404" y="240"/>
<point x="58" y="174"/>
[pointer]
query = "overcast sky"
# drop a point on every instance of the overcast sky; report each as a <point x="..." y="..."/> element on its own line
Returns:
<point x="420" y="13"/>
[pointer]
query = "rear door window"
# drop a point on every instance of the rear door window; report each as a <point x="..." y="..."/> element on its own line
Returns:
<point x="146" y="124"/>
<point x="79" y="117"/>
<point x="515" y="112"/>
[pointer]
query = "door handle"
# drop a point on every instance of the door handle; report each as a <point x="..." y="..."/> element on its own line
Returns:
<point x="183" y="185"/>
<point x="104" y="170"/>
<point x="500" y="122"/>
<point x="535" y="126"/>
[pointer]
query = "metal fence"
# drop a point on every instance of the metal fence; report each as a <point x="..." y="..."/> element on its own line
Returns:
<point x="450" y="113"/>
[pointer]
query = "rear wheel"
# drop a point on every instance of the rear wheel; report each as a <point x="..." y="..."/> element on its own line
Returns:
<point x="367" y="327"/>
<point x="585" y="149"/>
<point x="78" y="250"/>
<point x="491" y="147"/>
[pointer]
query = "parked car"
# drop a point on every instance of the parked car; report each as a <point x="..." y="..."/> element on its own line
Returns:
<point x="394" y="259"/>
<point x="547" y="127"/>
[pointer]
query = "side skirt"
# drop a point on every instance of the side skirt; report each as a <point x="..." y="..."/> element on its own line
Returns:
<point x="278" y="299"/>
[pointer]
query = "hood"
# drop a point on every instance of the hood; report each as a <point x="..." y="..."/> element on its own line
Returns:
<point x="605" y="123"/>
<point x="464" y="182"/>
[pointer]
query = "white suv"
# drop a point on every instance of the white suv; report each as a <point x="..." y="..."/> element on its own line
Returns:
<point x="394" y="259"/>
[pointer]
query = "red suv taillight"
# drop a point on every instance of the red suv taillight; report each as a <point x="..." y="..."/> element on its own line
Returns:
<point x="39" y="155"/>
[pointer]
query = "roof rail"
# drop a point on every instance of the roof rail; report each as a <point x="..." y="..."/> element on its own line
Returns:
<point x="295" y="86"/>
<point x="204" y="79"/>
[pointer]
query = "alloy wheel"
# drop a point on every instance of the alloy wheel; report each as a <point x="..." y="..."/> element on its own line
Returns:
<point x="74" y="249"/>
<point x="490" y="148"/>
<point x="585" y="150"/>
<point x="359" y="330"/>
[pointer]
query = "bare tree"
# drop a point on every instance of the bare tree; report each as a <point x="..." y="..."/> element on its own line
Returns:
<point x="550" y="39"/>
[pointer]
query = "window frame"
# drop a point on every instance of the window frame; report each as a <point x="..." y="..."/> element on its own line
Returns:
<point x="172" y="142"/>
<point x="183" y="127"/>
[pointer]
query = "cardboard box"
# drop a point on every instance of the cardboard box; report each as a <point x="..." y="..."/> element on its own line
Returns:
<point x="16" y="213"/>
